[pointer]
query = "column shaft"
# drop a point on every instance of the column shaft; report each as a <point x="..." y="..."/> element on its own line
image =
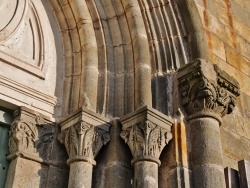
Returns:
<point x="80" y="175"/>
<point x="207" y="153"/>
<point x="146" y="174"/>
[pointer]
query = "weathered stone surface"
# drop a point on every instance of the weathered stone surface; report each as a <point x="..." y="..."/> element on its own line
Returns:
<point x="83" y="134"/>
<point x="234" y="147"/>
<point x="170" y="177"/>
<point x="206" y="153"/>
<point x="115" y="175"/>
<point x="115" y="56"/>
<point x="145" y="174"/>
<point x="113" y="161"/>
<point x="57" y="177"/>
<point x="80" y="174"/>
<point x="147" y="132"/>
<point x="31" y="135"/>
<point x="26" y="173"/>
<point x="207" y="94"/>
<point x="205" y="89"/>
<point x="175" y="169"/>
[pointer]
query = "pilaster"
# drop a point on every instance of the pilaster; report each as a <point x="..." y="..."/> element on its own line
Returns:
<point x="147" y="132"/>
<point x="207" y="94"/>
<point x="30" y="142"/>
<point x="83" y="133"/>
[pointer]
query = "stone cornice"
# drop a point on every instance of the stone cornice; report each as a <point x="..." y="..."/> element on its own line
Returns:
<point x="83" y="134"/>
<point x="205" y="90"/>
<point x="147" y="132"/>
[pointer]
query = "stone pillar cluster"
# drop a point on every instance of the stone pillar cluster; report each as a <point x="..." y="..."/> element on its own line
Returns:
<point x="83" y="134"/>
<point x="207" y="94"/>
<point x="147" y="132"/>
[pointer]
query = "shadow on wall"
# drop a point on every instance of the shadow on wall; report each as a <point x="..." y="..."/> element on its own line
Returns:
<point x="113" y="162"/>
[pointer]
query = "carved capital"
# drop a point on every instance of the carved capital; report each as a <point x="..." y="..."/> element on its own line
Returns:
<point x="31" y="136"/>
<point x="23" y="137"/>
<point x="206" y="90"/>
<point x="146" y="132"/>
<point x="83" y="134"/>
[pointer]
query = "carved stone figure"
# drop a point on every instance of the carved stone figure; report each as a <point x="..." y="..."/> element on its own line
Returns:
<point x="32" y="136"/>
<point x="204" y="88"/>
<point x="23" y="136"/>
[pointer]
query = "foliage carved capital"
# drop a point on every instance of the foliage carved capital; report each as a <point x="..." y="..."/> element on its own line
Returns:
<point x="83" y="141"/>
<point x="83" y="134"/>
<point x="207" y="90"/>
<point x="147" y="132"/>
<point x="146" y="140"/>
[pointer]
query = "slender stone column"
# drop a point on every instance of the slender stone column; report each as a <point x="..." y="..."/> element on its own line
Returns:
<point x="83" y="134"/>
<point x="147" y="132"/>
<point x="207" y="94"/>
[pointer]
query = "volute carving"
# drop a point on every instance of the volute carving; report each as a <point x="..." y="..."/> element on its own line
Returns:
<point x="207" y="89"/>
<point x="146" y="139"/>
<point x="83" y="139"/>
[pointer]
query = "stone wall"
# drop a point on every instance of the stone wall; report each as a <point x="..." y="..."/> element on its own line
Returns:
<point x="227" y="28"/>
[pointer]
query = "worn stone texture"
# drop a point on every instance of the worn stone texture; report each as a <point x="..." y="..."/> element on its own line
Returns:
<point x="26" y="173"/>
<point x="113" y="57"/>
<point x="114" y="161"/>
<point x="226" y="26"/>
<point x="57" y="177"/>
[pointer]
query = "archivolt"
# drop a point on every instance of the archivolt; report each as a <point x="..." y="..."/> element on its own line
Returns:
<point x="118" y="53"/>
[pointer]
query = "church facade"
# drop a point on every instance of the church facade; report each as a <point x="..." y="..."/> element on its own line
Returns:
<point x="124" y="93"/>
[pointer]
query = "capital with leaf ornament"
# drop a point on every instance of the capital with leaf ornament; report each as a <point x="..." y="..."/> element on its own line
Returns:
<point x="84" y="133"/>
<point x="147" y="132"/>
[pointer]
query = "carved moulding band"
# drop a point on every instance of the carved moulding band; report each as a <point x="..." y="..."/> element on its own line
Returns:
<point x="146" y="132"/>
<point x="206" y="91"/>
<point x="83" y="134"/>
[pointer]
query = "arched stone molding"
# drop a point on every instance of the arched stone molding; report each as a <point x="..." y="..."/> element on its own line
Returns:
<point x="196" y="33"/>
<point x="80" y="54"/>
<point x="109" y="51"/>
<point x="125" y="53"/>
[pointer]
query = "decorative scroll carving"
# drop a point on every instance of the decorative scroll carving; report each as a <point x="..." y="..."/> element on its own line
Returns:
<point x="146" y="139"/>
<point x="83" y="139"/>
<point x="32" y="137"/>
<point x="202" y="92"/>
